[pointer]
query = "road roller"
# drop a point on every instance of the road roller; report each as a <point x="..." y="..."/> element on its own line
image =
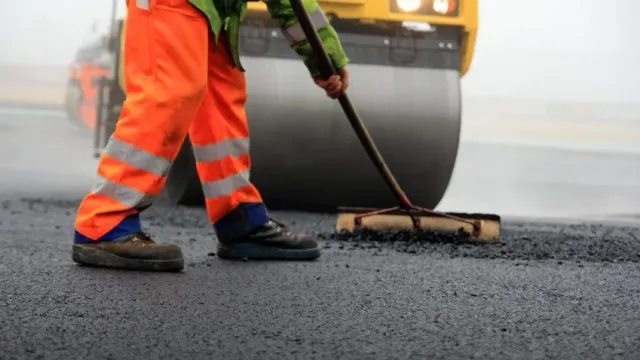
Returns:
<point x="406" y="61"/>
<point x="91" y="63"/>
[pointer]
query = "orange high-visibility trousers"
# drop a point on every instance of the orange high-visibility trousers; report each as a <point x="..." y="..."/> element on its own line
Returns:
<point x="177" y="81"/>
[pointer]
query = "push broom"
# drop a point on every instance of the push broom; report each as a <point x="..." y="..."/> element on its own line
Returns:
<point x="406" y="215"/>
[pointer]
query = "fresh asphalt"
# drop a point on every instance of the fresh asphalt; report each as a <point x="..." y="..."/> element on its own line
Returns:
<point x="549" y="289"/>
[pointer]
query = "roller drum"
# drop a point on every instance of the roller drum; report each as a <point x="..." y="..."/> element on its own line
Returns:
<point x="305" y="154"/>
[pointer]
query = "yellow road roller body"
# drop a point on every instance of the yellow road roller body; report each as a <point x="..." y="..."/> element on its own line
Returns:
<point x="459" y="13"/>
<point x="407" y="58"/>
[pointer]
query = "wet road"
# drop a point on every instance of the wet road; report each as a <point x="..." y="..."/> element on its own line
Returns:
<point x="547" y="290"/>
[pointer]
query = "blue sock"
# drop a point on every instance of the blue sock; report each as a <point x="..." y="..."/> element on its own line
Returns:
<point x="128" y="225"/>
<point x="245" y="218"/>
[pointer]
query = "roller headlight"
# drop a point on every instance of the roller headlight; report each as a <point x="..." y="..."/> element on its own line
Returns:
<point x="409" y="5"/>
<point x="443" y="7"/>
<point x="425" y="7"/>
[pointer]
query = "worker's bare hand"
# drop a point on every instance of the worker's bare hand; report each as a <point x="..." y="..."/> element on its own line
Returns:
<point x="336" y="84"/>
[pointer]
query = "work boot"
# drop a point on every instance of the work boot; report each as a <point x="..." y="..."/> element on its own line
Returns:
<point x="132" y="252"/>
<point x="271" y="241"/>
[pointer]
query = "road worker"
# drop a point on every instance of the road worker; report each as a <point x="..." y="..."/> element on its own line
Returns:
<point x="183" y="76"/>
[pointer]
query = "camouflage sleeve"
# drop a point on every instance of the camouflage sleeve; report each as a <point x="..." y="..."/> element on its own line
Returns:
<point x="282" y="12"/>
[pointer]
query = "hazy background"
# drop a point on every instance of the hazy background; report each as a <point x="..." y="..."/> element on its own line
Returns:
<point x="575" y="50"/>
<point x="524" y="48"/>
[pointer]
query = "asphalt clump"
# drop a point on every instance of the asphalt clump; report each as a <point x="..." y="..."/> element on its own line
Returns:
<point x="578" y="242"/>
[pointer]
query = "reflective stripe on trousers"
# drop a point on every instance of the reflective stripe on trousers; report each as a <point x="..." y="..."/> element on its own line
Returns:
<point x="212" y="154"/>
<point x="137" y="158"/>
<point x="124" y="195"/>
<point x="129" y="174"/>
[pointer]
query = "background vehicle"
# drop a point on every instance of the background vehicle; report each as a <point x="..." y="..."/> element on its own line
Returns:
<point x="407" y="58"/>
<point x="92" y="62"/>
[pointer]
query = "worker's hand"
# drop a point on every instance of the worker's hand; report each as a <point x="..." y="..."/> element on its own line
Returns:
<point x="336" y="84"/>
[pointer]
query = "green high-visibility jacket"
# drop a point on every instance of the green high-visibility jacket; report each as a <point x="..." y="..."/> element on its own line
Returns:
<point x="228" y="14"/>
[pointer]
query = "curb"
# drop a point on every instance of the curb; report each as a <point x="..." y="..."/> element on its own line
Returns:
<point x="12" y="104"/>
<point x="32" y="97"/>
<point x="596" y="147"/>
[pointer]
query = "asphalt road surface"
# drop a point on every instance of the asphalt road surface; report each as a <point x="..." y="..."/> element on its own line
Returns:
<point x="555" y="289"/>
